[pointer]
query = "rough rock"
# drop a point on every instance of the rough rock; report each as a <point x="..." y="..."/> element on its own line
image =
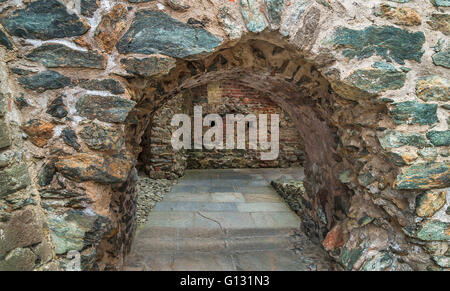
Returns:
<point x="19" y="260"/>
<point x="275" y="8"/>
<point x="433" y="88"/>
<point x="440" y="22"/>
<point x="14" y="178"/>
<point x="39" y="131"/>
<point x="178" y="4"/>
<point x="44" y="19"/>
<point x="47" y="173"/>
<point x="58" y="55"/>
<point x="57" y="108"/>
<point x="439" y="138"/>
<point x="395" y="139"/>
<point x="84" y="167"/>
<point x="424" y="176"/>
<point x="252" y="15"/>
<point x="110" y="27"/>
<point x="5" y="41"/>
<point x="104" y="108"/>
<point x="70" y="138"/>
<point x="88" y="7"/>
<point x="413" y="112"/>
<point x="389" y="42"/>
<point x="441" y="3"/>
<point x="433" y="230"/>
<point x="5" y="139"/>
<point x="110" y="85"/>
<point x="149" y="34"/>
<point x="47" y="80"/>
<point x="442" y="58"/>
<point x="428" y="203"/>
<point x="400" y="15"/>
<point x="148" y="67"/>
<point x="102" y="138"/>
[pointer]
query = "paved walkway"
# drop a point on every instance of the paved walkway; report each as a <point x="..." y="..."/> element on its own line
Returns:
<point x="225" y="220"/>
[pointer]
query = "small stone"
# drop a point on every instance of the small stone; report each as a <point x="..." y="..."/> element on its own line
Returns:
<point x="153" y="32"/>
<point x="102" y="138"/>
<point x="442" y="261"/>
<point x="88" y="7"/>
<point x="181" y="5"/>
<point x="275" y="8"/>
<point x="395" y="139"/>
<point x="18" y="260"/>
<point x="5" y="139"/>
<point x="44" y="19"/>
<point x="428" y="154"/>
<point x="380" y="262"/>
<point x="39" y="131"/>
<point x="439" y="138"/>
<point x="385" y="41"/>
<point x="110" y="85"/>
<point x="442" y="58"/>
<point x="58" y="55"/>
<point x="433" y="88"/>
<point x="400" y="15"/>
<point x="110" y="27"/>
<point x="47" y="173"/>
<point x="84" y="167"/>
<point x="440" y="22"/>
<point x="148" y="67"/>
<point x="70" y="138"/>
<point x="424" y="176"/>
<point x="434" y="230"/>
<point x="57" y="108"/>
<point x="348" y="257"/>
<point x="413" y="112"/>
<point x="5" y="41"/>
<point x="44" y="81"/>
<point x="252" y="15"/>
<point x="441" y="3"/>
<point x="104" y="108"/>
<point x="428" y="203"/>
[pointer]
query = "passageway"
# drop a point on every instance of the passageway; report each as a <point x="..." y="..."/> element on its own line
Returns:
<point x="226" y="220"/>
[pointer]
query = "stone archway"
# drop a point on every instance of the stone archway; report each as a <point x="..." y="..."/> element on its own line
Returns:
<point x="369" y="103"/>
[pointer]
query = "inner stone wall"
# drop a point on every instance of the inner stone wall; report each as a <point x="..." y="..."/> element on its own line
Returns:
<point x="364" y="82"/>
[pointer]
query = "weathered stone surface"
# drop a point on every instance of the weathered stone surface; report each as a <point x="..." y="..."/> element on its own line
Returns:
<point x="388" y="42"/>
<point x="47" y="173"/>
<point x="110" y="85"/>
<point x="428" y="154"/>
<point x="58" y="55"/>
<point x="441" y="3"/>
<point x="156" y="32"/>
<point x="5" y="139"/>
<point x="433" y="88"/>
<point x="104" y="108"/>
<point x="424" y="176"/>
<point x="442" y="58"/>
<point x="18" y="260"/>
<point x="3" y="105"/>
<point x="110" y="27"/>
<point x="440" y="22"/>
<point x="88" y="7"/>
<point x="400" y="15"/>
<point x="434" y="230"/>
<point x="412" y="112"/>
<point x="102" y="138"/>
<point x="90" y="167"/>
<point x="70" y="138"/>
<point x="57" y="108"/>
<point x="44" y="19"/>
<point x="442" y="261"/>
<point x="22" y="230"/>
<point x="39" y="131"/>
<point x="428" y="203"/>
<point x="5" y="41"/>
<point x="148" y="67"/>
<point x="178" y="4"/>
<point x="381" y="77"/>
<point x="14" y="178"/>
<point x="275" y="8"/>
<point x="380" y="262"/>
<point x="395" y="139"/>
<point x="349" y="257"/>
<point x="252" y="15"/>
<point x="75" y="230"/>
<point x="47" y="80"/>
<point x="439" y="138"/>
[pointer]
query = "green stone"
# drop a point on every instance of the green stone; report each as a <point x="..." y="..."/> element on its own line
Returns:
<point x="434" y="230"/>
<point x="251" y="14"/>
<point x="380" y="262"/>
<point x="104" y="108"/>
<point x="380" y="78"/>
<point x="395" y="139"/>
<point x="428" y="154"/>
<point x="439" y="138"/>
<point x="5" y="41"/>
<point x="110" y="85"/>
<point x="442" y="58"/>
<point x="14" y="178"/>
<point x="413" y="112"/>
<point x="349" y="257"/>
<point x="275" y="8"/>
<point x="424" y="176"/>
<point x="442" y="3"/>
<point x="3" y="103"/>
<point x="44" y="19"/>
<point x="44" y="81"/>
<point x="58" y="55"/>
<point x="389" y="42"/>
<point x="440" y="22"/>
<point x="5" y="139"/>
<point x="442" y="261"/>
<point x="88" y="7"/>
<point x="148" y="67"/>
<point x="153" y="32"/>
<point x="433" y="88"/>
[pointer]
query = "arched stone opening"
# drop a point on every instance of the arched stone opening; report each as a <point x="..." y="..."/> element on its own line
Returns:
<point x="375" y="134"/>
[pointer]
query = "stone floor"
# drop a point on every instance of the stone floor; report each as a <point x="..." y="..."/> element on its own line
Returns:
<point x="225" y="220"/>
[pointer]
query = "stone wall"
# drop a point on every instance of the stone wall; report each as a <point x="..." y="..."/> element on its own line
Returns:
<point x="364" y="82"/>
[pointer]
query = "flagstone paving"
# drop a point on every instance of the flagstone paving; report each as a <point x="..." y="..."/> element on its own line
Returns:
<point x="226" y="220"/>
